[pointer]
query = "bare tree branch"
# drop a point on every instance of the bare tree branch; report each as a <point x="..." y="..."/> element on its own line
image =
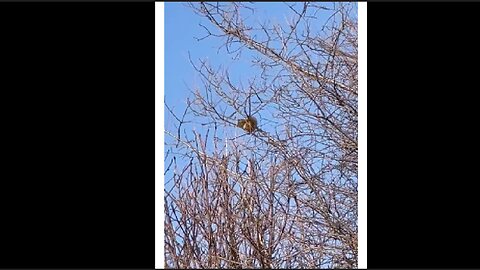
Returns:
<point x="282" y="194"/>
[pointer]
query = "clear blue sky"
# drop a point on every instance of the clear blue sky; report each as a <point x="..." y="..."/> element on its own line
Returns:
<point x="181" y="28"/>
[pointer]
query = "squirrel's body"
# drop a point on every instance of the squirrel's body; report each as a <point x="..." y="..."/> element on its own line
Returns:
<point x="249" y="124"/>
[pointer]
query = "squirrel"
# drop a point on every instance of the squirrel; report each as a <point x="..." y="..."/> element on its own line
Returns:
<point x="249" y="124"/>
